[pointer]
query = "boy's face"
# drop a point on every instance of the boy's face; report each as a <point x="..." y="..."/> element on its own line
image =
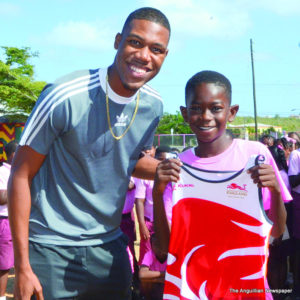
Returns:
<point x="142" y="48"/>
<point x="207" y="112"/>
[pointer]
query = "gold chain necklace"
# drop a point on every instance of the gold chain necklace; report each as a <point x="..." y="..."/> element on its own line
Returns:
<point x="108" y="116"/>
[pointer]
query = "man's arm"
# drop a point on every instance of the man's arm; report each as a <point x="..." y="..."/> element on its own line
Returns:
<point x="145" y="167"/>
<point x="3" y="197"/>
<point x="25" y="165"/>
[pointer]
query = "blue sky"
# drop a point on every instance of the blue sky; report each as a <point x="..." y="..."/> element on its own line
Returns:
<point x="206" y="35"/>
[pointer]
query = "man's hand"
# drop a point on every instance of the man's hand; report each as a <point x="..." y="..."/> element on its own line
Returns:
<point x="26" y="285"/>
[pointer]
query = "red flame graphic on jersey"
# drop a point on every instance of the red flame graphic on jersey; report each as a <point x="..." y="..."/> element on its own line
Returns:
<point x="213" y="249"/>
<point x="235" y="186"/>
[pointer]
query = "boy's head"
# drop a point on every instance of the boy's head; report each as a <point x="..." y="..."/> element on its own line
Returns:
<point x="207" y="77"/>
<point x="208" y="105"/>
<point x="149" y="150"/>
<point x="141" y="48"/>
<point x="267" y="140"/>
<point x="10" y="150"/>
<point x="161" y="152"/>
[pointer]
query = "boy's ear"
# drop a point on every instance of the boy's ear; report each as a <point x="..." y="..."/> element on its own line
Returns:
<point x="184" y="113"/>
<point x="118" y="39"/>
<point x="232" y="112"/>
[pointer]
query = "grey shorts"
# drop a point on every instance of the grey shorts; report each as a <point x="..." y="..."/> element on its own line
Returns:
<point x="85" y="273"/>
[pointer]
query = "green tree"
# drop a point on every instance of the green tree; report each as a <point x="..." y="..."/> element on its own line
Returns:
<point x="18" y="89"/>
<point x="175" y="122"/>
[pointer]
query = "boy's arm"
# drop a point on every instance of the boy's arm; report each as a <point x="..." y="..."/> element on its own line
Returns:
<point x="145" y="273"/>
<point x="167" y="171"/>
<point x="144" y="232"/>
<point x="264" y="176"/>
<point x="25" y="165"/>
<point x="3" y="197"/>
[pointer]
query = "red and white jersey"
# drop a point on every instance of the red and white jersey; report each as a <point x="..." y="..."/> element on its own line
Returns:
<point x="219" y="237"/>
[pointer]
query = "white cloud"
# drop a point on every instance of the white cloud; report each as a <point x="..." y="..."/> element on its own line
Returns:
<point x="219" y="18"/>
<point x="214" y="18"/>
<point x="9" y="10"/>
<point x="82" y="35"/>
<point x="281" y="7"/>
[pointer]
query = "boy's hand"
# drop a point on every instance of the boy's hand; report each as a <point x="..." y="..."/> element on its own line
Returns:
<point x="144" y="232"/>
<point x="167" y="171"/>
<point x="264" y="176"/>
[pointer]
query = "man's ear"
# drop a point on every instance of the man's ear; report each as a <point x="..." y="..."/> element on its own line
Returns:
<point x="232" y="112"/>
<point x="184" y="113"/>
<point x="118" y="39"/>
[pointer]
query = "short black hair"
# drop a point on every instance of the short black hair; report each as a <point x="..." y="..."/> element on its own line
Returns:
<point x="10" y="148"/>
<point x="162" y="148"/>
<point x="149" y="14"/>
<point x="208" y="77"/>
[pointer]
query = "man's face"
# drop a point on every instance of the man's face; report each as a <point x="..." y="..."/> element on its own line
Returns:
<point x="142" y="48"/>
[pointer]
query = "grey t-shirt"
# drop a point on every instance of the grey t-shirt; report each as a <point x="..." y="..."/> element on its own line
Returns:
<point x="79" y="192"/>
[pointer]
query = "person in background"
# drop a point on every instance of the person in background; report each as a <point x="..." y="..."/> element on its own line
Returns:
<point x="281" y="248"/>
<point x="6" y="246"/>
<point x="267" y="140"/>
<point x="144" y="206"/>
<point x="294" y="179"/>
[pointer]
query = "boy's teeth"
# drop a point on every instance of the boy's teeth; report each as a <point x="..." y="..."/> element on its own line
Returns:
<point x="138" y="70"/>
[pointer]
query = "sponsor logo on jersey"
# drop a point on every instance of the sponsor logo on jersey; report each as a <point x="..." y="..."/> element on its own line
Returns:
<point x="181" y="185"/>
<point x="235" y="189"/>
<point x="121" y="120"/>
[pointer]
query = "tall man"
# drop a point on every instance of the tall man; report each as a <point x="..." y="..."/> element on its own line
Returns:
<point x="70" y="176"/>
<point x="6" y="247"/>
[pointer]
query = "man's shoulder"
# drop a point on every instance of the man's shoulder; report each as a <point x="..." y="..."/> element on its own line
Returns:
<point x="148" y="91"/>
<point x="70" y="85"/>
<point x="78" y="76"/>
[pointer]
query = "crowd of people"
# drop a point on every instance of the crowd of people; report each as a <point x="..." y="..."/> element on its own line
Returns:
<point x="206" y="216"/>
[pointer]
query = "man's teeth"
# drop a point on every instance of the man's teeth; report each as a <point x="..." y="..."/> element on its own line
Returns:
<point x="205" y="128"/>
<point x="138" y="70"/>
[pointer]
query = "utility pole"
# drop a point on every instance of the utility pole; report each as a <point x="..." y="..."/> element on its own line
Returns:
<point x="254" y="95"/>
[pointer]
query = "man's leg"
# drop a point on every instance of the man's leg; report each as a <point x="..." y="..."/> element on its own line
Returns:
<point x="109" y="271"/>
<point x="60" y="269"/>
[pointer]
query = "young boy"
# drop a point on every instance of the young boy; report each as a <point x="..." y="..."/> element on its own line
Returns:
<point x="144" y="206"/>
<point x="219" y="236"/>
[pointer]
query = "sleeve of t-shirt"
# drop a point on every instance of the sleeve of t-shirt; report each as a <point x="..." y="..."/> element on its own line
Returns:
<point x="286" y="196"/>
<point x="294" y="163"/>
<point x="140" y="191"/>
<point x="48" y="120"/>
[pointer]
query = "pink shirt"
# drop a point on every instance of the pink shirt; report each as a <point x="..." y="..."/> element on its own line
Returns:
<point x="144" y="191"/>
<point x="130" y="197"/>
<point x="153" y="263"/>
<point x="4" y="175"/>
<point x="234" y="158"/>
<point x="294" y="167"/>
